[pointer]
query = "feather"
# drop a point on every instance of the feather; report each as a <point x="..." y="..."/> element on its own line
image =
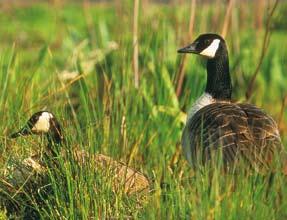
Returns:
<point x="239" y="131"/>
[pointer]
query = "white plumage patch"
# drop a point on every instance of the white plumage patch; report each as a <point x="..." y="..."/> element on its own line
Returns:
<point x="204" y="100"/>
<point x="210" y="51"/>
<point x="43" y="123"/>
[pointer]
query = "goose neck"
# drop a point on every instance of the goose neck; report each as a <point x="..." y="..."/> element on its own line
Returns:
<point x="218" y="77"/>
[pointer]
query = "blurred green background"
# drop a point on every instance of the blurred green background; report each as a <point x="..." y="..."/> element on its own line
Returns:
<point x="76" y="59"/>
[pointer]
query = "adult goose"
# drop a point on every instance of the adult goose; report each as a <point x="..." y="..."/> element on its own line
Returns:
<point x="44" y="122"/>
<point x="239" y="131"/>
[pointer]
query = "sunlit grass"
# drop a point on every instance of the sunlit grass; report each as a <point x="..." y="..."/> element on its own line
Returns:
<point x="103" y="112"/>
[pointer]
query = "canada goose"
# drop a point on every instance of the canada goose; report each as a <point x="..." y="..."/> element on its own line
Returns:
<point x="214" y="123"/>
<point x="46" y="123"/>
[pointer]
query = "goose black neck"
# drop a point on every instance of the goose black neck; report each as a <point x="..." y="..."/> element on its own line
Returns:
<point x="218" y="77"/>
<point x="55" y="138"/>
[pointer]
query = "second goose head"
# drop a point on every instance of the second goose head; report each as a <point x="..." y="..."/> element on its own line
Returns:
<point x="45" y="123"/>
<point x="213" y="47"/>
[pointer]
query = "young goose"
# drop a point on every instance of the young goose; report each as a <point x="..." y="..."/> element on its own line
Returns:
<point x="238" y="130"/>
<point x="46" y="123"/>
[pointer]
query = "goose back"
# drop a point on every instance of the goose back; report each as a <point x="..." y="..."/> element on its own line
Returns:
<point x="237" y="130"/>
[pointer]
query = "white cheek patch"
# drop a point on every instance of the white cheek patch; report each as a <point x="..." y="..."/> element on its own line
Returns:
<point x="210" y="51"/>
<point x="43" y="123"/>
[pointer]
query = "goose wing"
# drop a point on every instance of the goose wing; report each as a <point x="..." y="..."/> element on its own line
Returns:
<point x="238" y="130"/>
<point x="264" y="131"/>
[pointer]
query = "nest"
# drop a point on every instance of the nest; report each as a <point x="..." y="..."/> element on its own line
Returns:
<point x="27" y="182"/>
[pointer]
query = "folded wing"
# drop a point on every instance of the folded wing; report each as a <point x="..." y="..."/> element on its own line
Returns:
<point x="239" y="131"/>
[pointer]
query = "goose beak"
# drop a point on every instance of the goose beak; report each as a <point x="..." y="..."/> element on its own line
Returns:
<point x="22" y="132"/>
<point x="188" y="49"/>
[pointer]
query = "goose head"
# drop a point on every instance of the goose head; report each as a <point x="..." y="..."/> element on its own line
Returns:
<point x="207" y="45"/>
<point x="42" y="123"/>
<point x="213" y="47"/>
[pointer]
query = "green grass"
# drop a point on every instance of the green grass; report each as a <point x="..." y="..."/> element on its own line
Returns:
<point x="41" y="41"/>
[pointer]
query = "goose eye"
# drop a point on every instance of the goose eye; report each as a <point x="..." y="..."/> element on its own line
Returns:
<point x="207" y="41"/>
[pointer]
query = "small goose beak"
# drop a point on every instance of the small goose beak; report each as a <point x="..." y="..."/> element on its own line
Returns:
<point x="22" y="132"/>
<point x="188" y="49"/>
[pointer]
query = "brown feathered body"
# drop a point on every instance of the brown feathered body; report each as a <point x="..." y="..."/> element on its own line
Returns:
<point x="238" y="131"/>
